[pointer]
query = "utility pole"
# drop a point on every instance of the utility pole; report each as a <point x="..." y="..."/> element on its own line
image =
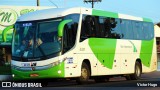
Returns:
<point x="92" y="2"/>
<point x="38" y="3"/>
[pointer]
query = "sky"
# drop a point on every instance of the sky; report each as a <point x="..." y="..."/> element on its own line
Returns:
<point x="140" y="8"/>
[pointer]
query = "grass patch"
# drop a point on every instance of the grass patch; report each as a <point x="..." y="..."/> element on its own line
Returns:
<point x="5" y="70"/>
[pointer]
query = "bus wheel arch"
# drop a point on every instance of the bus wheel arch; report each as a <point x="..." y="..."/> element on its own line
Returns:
<point x="139" y="60"/>
<point x="85" y="72"/>
<point x="88" y="63"/>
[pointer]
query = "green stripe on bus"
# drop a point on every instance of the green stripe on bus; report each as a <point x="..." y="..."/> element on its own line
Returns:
<point x="147" y="20"/>
<point x="104" y="13"/>
<point x="104" y="50"/>
<point x="146" y="52"/>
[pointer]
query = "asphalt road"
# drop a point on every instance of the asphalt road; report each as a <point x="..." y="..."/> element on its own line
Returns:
<point x="149" y="81"/>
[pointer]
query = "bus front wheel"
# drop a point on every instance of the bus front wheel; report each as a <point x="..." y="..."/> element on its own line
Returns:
<point x="85" y="74"/>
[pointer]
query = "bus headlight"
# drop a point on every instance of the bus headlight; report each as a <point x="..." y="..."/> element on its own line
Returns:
<point x="13" y="75"/>
<point x="59" y="71"/>
<point x="58" y="62"/>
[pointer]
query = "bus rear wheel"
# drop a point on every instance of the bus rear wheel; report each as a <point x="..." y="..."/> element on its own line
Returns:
<point x="137" y="72"/>
<point x="85" y="74"/>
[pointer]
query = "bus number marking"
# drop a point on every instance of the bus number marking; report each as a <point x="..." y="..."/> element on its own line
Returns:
<point x="82" y="49"/>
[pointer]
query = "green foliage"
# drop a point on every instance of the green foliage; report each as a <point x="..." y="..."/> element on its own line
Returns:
<point x="5" y="70"/>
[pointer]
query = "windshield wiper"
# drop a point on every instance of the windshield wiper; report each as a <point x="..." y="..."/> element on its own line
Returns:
<point x="26" y="49"/>
<point x="22" y="58"/>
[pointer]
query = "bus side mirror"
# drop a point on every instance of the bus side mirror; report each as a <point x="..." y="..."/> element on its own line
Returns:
<point x="61" y="27"/>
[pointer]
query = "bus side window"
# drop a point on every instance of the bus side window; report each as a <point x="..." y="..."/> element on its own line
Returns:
<point x="86" y="27"/>
<point x="65" y="38"/>
<point x="74" y="27"/>
<point x="127" y="30"/>
<point x="151" y="30"/>
<point x="102" y="27"/>
<point x="70" y="32"/>
<point x="145" y="31"/>
<point x="69" y="36"/>
<point x="138" y="30"/>
<point x="115" y="28"/>
<point x="84" y="33"/>
<point x="110" y="27"/>
<point x="96" y="31"/>
<point x="89" y="27"/>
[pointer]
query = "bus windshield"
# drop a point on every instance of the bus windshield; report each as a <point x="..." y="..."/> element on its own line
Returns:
<point x="33" y="40"/>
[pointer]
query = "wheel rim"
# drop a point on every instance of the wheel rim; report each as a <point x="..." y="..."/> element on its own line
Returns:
<point x="138" y="71"/>
<point x="84" y="73"/>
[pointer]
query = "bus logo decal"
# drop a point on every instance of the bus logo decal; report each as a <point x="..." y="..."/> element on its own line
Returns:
<point x="33" y="64"/>
<point x="135" y="49"/>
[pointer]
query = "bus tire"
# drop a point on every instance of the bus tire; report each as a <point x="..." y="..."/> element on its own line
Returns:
<point x="137" y="72"/>
<point x="85" y="74"/>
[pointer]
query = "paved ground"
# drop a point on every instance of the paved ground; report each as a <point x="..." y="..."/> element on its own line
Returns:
<point x="113" y="84"/>
<point x="158" y="69"/>
<point x="153" y="77"/>
<point x="5" y="77"/>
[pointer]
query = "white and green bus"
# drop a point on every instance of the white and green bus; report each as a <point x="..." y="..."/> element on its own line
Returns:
<point x="82" y="43"/>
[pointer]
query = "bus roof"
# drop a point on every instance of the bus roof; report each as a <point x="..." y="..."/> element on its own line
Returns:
<point x="48" y="13"/>
<point x="59" y="12"/>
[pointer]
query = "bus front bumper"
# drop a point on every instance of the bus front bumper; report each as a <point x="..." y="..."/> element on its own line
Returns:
<point x="53" y="72"/>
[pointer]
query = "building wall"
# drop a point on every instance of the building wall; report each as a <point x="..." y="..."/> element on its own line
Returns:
<point x="157" y="30"/>
<point x="157" y="35"/>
